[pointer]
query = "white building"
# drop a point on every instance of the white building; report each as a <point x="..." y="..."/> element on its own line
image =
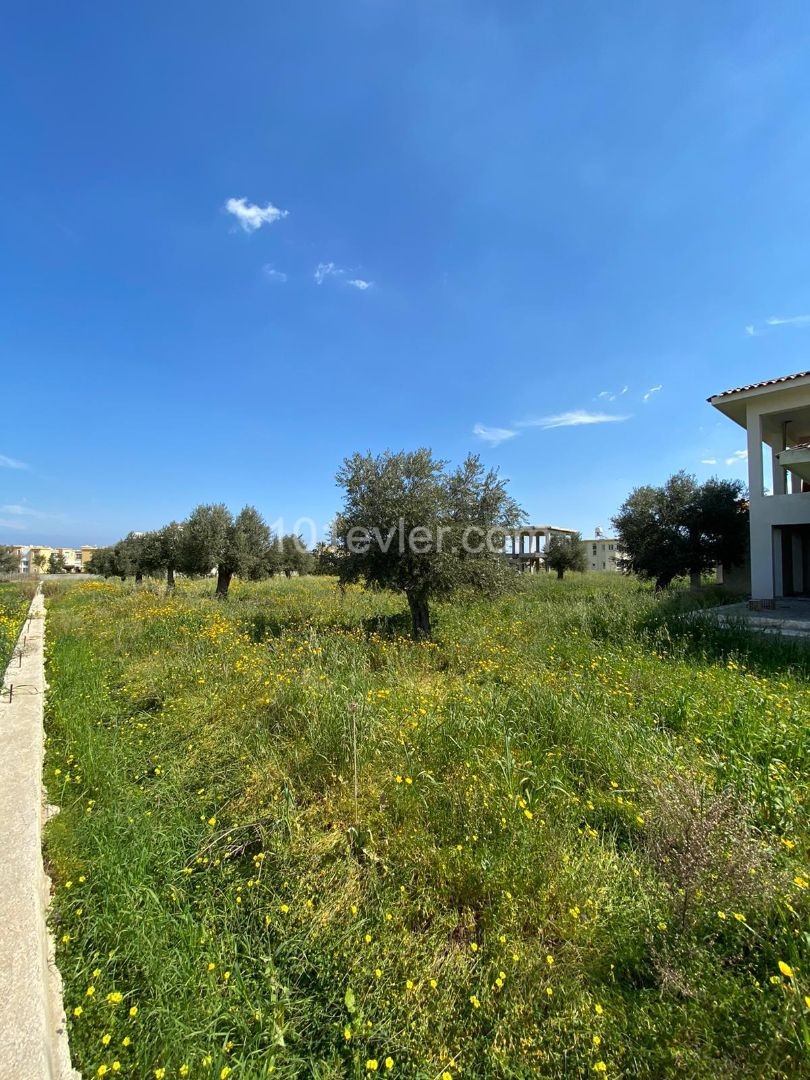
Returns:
<point x="602" y="553"/>
<point x="776" y="417"/>
<point x="527" y="544"/>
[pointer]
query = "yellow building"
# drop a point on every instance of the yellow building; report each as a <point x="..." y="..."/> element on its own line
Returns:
<point x="35" y="558"/>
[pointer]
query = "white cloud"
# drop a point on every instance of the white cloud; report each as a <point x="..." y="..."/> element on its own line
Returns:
<point x="274" y="275"/>
<point x="25" y="511"/>
<point x="792" y="320"/>
<point x="751" y="331"/>
<point x="19" y="525"/>
<point x="575" y="418"/>
<point x="325" y="270"/>
<point x="736" y="457"/>
<point x="359" y="283"/>
<point x="611" y="395"/>
<point x="251" y="217"/>
<point x="11" y="463"/>
<point x="708" y="461"/>
<point x="651" y="391"/>
<point x="493" y="435"/>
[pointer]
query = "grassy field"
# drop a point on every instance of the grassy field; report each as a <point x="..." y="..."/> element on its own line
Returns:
<point x="568" y="839"/>
<point x="15" y="599"/>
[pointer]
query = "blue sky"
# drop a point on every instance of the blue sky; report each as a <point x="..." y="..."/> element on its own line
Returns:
<point x="548" y="203"/>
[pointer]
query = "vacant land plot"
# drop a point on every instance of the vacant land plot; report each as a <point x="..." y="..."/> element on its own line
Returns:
<point x="569" y="838"/>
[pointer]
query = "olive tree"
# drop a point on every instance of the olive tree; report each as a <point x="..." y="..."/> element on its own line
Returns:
<point x="213" y="539"/>
<point x="565" y="553"/>
<point x="683" y="528"/>
<point x="410" y="525"/>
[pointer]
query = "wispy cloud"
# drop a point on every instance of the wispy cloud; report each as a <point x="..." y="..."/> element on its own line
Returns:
<point x="17" y="525"/>
<point x="708" y="461"/>
<point x="251" y="217"/>
<point x="651" y="391"/>
<point x="325" y="270"/>
<point x="791" y="320"/>
<point x="19" y="510"/>
<point x="777" y="320"/>
<point x="736" y="457"/>
<point x="273" y="274"/>
<point x="575" y="418"/>
<point x="611" y="395"/>
<point x="493" y="435"/>
<point x="11" y="463"/>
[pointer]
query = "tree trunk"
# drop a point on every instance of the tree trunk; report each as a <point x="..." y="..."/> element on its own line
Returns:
<point x="560" y="575"/>
<point x="695" y="579"/>
<point x="223" y="583"/>
<point x="169" y="579"/>
<point x="663" y="581"/>
<point x="138" y="577"/>
<point x="420" y="617"/>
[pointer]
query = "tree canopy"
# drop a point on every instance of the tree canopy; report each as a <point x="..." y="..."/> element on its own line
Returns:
<point x="683" y="527"/>
<point x="565" y="553"/>
<point x="9" y="560"/>
<point x="410" y="525"/>
<point x="214" y="539"/>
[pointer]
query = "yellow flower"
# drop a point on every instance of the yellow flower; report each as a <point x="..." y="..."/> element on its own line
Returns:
<point x="801" y="881"/>
<point x="598" y="1009"/>
<point x="160" y="1073"/>
<point x="105" y="1039"/>
<point x="600" y="1067"/>
<point x="476" y="1004"/>
<point x="101" y="1071"/>
<point x="78" y="1010"/>
<point x="183" y="1070"/>
<point x="116" y="1066"/>
<point x="597" y="1040"/>
<point x="126" y="1040"/>
<point x="226" y="1071"/>
<point x="90" y="991"/>
<point x="807" y="1001"/>
<point x="115" y="998"/>
<point x="549" y="959"/>
<point x="372" y="1065"/>
<point x="389" y="1063"/>
<point x="473" y="947"/>
<point x="133" y="1011"/>
<point x="786" y="969"/>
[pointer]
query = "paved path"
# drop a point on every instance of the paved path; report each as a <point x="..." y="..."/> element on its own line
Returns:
<point x="33" y="1042"/>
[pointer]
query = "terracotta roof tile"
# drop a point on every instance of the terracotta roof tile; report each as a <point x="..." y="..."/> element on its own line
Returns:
<point x="761" y="385"/>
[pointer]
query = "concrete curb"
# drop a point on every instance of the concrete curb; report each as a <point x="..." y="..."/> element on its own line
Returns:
<point x="33" y="1030"/>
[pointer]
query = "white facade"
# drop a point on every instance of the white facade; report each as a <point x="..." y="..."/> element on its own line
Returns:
<point x="776" y="417"/>
<point x="527" y="544"/>
<point x="602" y="553"/>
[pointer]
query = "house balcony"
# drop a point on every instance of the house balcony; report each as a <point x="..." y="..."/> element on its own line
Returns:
<point x="797" y="460"/>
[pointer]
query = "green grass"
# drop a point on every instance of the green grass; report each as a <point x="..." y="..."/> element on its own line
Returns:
<point x="15" y="599"/>
<point x="568" y="839"/>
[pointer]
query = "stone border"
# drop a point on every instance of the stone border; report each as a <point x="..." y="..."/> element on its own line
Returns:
<point x="33" y="1029"/>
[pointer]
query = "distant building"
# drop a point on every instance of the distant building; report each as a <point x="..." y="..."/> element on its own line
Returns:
<point x="34" y="558"/>
<point x="602" y="553"/>
<point x="527" y="545"/>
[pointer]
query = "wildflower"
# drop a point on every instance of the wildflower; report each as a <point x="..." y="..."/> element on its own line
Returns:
<point x="126" y="1041"/>
<point x="549" y="991"/>
<point x="133" y="1011"/>
<point x="807" y="1001"/>
<point x="160" y="1073"/>
<point x="597" y="1040"/>
<point x="372" y="1065"/>
<point x="447" y="1075"/>
<point x="549" y="960"/>
<point x="476" y="1004"/>
<point x="389" y="1063"/>
<point x="96" y="973"/>
<point x="78" y="1010"/>
<point x="598" y="1009"/>
<point x="226" y="975"/>
<point x="721" y="914"/>
<point x="378" y="972"/>
<point x="409" y="984"/>
<point x="600" y="1067"/>
<point x="115" y="998"/>
<point x="473" y="947"/>
<point x="116" y="1066"/>
<point x="367" y="939"/>
<point x="211" y="966"/>
<point x="347" y="1033"/>
<point x="801" y="881"/>
<point x="90" y="991"/>
<point x="226" y="1071"/>
<point x="101" y="1071"/>
<point x="212" y="821"/>
<point x="183" y="1070"/>
<point x="786" y="969"/>
<point x="105" y="1039"/>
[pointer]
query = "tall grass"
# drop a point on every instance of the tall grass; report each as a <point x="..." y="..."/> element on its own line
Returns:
<point x="568" y="838"/>
<point x="15" y="599"/>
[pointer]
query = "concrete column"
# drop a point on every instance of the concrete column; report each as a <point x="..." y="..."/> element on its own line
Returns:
<point x="755" y="478"/>
<point x="779" y="475"/>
